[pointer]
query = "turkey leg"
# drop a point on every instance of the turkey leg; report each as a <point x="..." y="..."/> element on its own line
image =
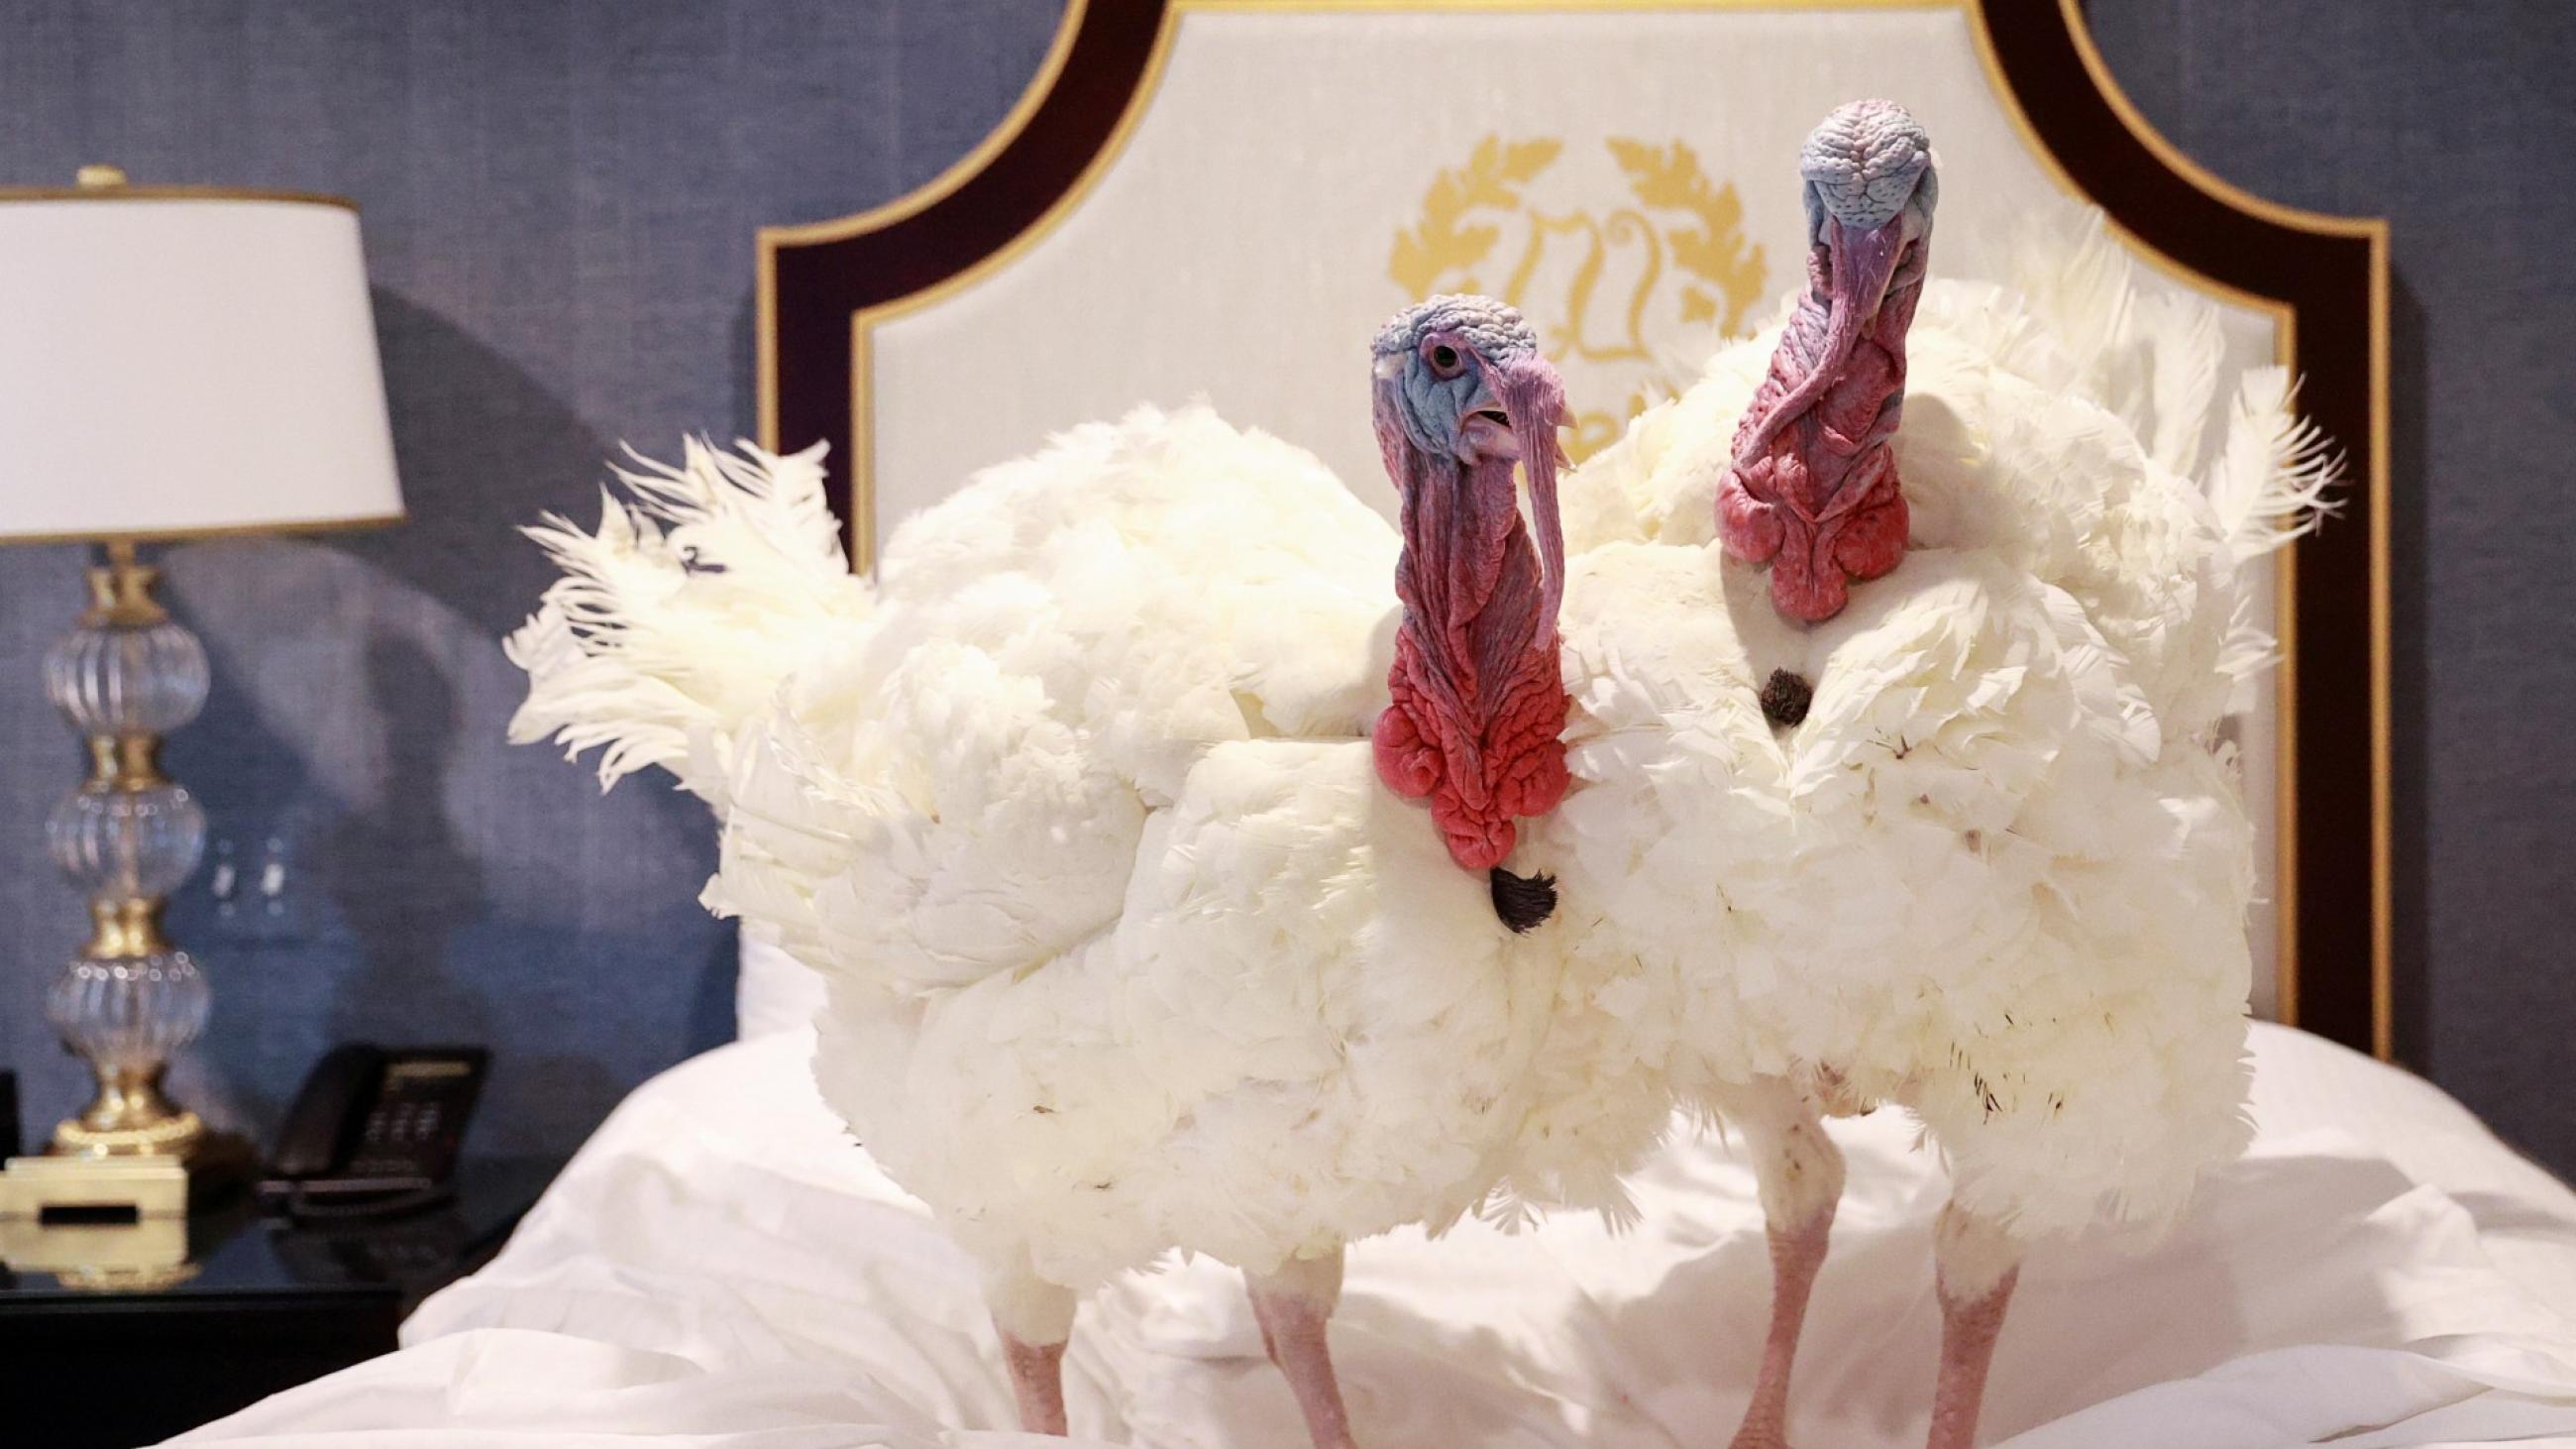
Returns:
<point x="1801" y="1175"/>
<point x="1037" y="1382"/>
<point x="1976" y="1264"/>
<point x="1034" y="1318"/>
<point x="1292" y="1306"/>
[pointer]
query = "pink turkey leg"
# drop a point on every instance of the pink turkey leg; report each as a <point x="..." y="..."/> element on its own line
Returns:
<point x="1801" y="1176"/>
<point x="1977" y="1266"/>
<point x="1037" y="1382"/>
<point x="1292" y="1307"/>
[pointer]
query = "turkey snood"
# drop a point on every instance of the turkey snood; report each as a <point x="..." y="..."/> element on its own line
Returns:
<point x="1812" y="488"/>
<point x="1476" y="702"/>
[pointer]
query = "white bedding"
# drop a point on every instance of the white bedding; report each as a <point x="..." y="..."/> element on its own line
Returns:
<point x="719" y="1267"/>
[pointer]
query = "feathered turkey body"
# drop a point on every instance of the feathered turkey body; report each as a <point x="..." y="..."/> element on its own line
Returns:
<point x="1109" y="887"/>
<point x="1996" y="873"/>
<point x="1074" y="812"/>
<point x="1132" y="937"/>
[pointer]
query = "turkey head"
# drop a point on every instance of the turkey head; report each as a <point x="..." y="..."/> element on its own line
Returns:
<point x="1811" y="486"/>
<point x="1461" y="394"/>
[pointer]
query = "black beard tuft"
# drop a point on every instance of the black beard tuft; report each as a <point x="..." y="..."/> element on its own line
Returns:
<point x="1522" y="901"/>
<point x="1785" y="698"/>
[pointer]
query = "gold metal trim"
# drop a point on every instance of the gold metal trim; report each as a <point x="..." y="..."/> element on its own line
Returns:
<point x="126" y="928"/>
<point x="120" y="590"/>
<point x="225" y="530"/>
<point x="2383" y="674"/>
<point x="125" y="764"/>
<point x="861" y="463"/>
<point x="129" y="1118"/>
<point x="1551" y="7"/>
<point x="122" y="192"/>
<point x="862" y="522"/>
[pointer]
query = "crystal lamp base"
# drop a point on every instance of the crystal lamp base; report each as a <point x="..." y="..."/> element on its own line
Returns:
<point x="127" y="836"/>
<point x="125" y="1016"/>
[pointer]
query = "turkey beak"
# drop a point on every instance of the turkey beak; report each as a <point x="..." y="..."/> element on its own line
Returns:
<point x="1485" y="431"/>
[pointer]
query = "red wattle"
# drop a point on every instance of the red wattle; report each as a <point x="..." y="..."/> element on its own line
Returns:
<point x="1475" y="702"/>
<point x="1409" y="766"/>
<point x="1814" y="493"/>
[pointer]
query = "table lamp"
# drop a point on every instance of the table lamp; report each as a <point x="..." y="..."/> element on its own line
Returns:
<point x="175" y="363"/>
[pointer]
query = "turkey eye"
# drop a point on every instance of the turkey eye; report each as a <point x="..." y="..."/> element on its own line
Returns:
<point x="1444" y="360"/>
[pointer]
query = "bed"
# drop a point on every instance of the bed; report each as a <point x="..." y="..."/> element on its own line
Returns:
<point x="719" y="1266"/>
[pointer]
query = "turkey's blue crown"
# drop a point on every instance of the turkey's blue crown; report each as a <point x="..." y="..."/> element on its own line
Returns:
<point x="1863" y="163"/>
<point x="1495" y="330"/>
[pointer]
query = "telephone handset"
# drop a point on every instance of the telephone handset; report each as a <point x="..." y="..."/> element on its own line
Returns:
<point x="375" y="1130"/>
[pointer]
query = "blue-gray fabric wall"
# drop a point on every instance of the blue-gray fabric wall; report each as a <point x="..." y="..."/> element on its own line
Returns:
<point x="2458" y="123"/>
<point x="559" y="203"/>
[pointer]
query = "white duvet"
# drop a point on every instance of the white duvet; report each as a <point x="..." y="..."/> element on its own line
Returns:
<point x="720" y="1267"/>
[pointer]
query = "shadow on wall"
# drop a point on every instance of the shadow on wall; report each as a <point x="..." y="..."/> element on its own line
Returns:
<point x="441" y="885"/>
<point x="400" y="879"/>
<point x="482" y="448"/>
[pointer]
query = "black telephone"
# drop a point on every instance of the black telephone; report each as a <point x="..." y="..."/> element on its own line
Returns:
<point x="374" y="1131"/>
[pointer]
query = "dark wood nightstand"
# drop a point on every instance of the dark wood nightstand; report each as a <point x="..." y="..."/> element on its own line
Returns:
<point x="268" y="1306"/>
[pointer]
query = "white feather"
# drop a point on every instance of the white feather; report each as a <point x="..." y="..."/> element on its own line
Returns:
<point x="2274" y="480"/>
<point x="678" y="616"/>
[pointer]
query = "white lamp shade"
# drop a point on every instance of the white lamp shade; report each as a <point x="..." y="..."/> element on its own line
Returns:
<point x="176" y="362"/>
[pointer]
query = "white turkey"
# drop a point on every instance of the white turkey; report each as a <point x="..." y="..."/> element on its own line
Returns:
<point x="1993" y="875"/>
<point x="1097" y="813"/>
<point x="1934" y="817"/>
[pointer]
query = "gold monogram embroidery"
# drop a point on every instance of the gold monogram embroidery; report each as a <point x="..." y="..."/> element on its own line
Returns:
<point x="1679" y="271"/>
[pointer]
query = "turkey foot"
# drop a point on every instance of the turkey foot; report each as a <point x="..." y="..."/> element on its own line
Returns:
<point x="1801" y="1176"/>
<point x="1976" y="1265"/>
<point x="1292" y="1307"/>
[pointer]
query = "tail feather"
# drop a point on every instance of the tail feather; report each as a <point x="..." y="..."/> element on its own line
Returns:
<point x="776" y="499"/>
<point x="2275" y="476"/>
<point x="677" y="618"/>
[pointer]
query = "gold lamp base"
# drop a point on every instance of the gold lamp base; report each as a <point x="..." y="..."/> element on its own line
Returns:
<point x="129" y="1118"/>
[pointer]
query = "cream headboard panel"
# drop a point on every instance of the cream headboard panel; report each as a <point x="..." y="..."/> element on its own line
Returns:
<point x="1222" y="198"/>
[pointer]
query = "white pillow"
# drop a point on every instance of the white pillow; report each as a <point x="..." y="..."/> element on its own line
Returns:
<point x="774" y="992"/>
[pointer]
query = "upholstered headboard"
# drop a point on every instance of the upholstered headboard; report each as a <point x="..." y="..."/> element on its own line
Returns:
<point x="1220" y="197"/>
